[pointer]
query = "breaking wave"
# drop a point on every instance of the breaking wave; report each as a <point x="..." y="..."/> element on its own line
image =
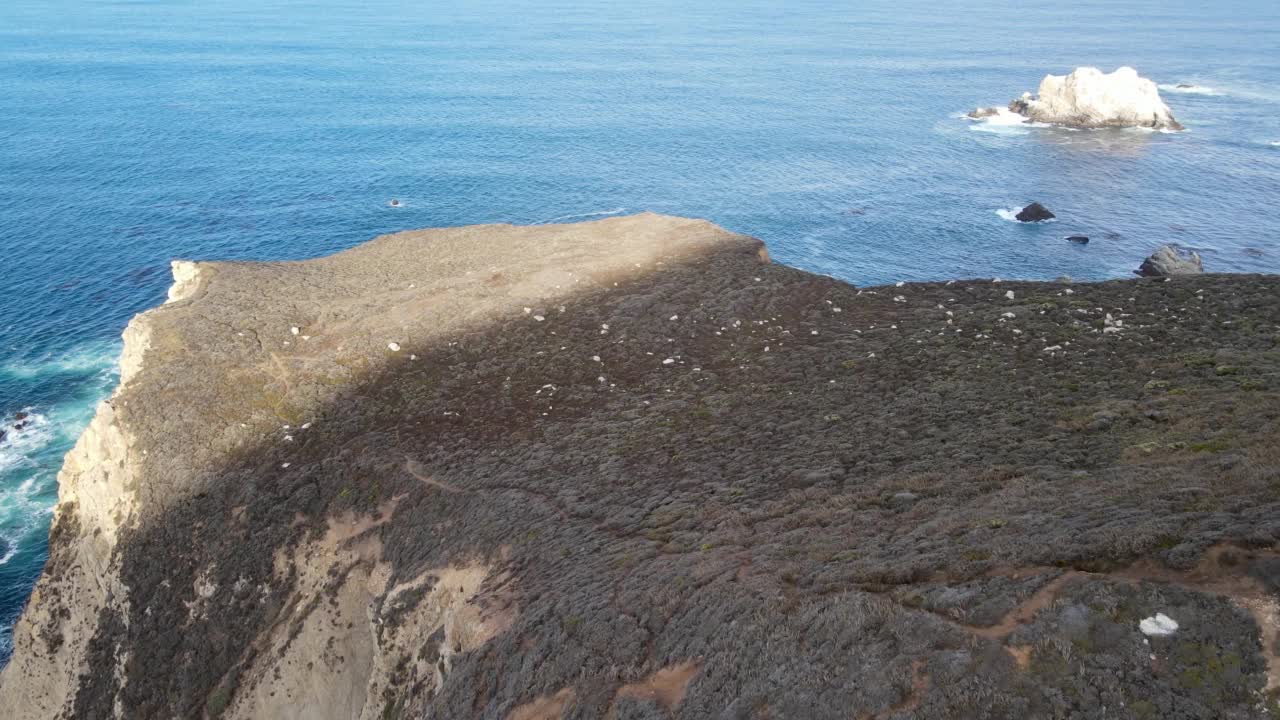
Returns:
<point x="90" y="358"/>
<point x="1189" y="89"/>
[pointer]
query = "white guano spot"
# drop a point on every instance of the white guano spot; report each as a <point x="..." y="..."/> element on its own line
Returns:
<point x="1159" y="625"/>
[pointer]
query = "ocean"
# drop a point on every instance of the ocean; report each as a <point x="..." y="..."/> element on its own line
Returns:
<point x="135" y="132"/>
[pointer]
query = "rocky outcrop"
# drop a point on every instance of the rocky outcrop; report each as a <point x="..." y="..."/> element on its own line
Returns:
<point x="619" y="469"/>
<point x="1171" y="260"/>
<point x="1090" y="98"/>
<point x="983" y="112"/>
<point x="1035" y="212"/>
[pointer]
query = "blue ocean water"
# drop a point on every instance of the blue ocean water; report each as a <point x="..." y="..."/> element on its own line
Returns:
<point x="134" y="132"/>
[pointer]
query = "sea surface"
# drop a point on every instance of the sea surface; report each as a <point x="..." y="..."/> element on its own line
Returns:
<point x="135" y="132"/>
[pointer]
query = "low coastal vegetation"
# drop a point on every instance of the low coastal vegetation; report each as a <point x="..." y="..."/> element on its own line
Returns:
<point x="629" y="469"/>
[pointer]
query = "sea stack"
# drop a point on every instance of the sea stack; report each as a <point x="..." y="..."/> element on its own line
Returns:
<point x="1035" y="212"/>
<point x="1090" y="98"/>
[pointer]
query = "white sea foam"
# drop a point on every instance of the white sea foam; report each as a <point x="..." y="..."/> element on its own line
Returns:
<point x="1004" y="122"/>
<point x="25" y="482"/>
<point x="94" y="357"/>
<point x="602" y="213"/>
<point x="44" y="427"/>
<point x="1189" y="89"/>
<point x="29" y="462"/>
<point x="18" y="446"/>
<point x="1005" y="116"/>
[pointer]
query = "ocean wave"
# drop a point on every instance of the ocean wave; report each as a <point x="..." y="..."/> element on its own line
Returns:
<point x="602" y="213"/>
<point x="25" y="512"/>
<point x="1150" y="130"/>
<point x="48" y="432"/>
<point x="1189" y="89"/>
<point x="87" y="359"/>
<point x="19" y="445"/>
<point x="1004" y="122"/>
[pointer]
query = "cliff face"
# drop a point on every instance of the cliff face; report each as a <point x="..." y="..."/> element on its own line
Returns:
<point x="629" y="469"/>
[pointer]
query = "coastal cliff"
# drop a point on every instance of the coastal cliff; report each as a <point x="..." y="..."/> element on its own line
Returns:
<point x="631" y="469"/>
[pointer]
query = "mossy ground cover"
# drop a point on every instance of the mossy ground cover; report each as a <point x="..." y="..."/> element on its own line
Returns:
<point x="820" y="494"/>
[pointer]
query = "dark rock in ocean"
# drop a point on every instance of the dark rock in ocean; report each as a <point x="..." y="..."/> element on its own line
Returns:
<point x="983" y="112"/>
<point x="1184" y="86"/>
<point x="1171" y="260"/>
<point x="1020" y="105"/>
<point x="1079" y="239"/>
<point x="20" y="416"/>
<point x="3" y="434"/>
<point x="1035" y="212"/>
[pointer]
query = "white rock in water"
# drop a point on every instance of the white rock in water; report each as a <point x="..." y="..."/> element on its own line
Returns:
<point x="1090" y="98"/>
<point x="1160" y="625"/>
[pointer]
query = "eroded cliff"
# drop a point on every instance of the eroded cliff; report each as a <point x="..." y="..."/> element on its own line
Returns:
<point x="629" y="469"/>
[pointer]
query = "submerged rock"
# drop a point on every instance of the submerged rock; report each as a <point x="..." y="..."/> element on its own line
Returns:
<point x="1090" y="98"/>
<point x="1171" y="260"/>
<point x="1035" y="212"/>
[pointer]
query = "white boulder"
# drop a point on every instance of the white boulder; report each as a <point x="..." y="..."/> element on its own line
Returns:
<point x="1090" y="98"/>
<point x="1159" y="625"/>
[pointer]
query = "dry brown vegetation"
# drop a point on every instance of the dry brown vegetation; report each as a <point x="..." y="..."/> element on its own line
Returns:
<point x="893" y="502"/>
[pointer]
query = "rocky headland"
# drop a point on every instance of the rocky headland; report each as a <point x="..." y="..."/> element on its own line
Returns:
<point x="1089" y="98"/>
<point x="631" y="469"/>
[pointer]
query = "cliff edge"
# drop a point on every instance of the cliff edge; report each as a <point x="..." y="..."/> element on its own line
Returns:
<point x="629" y="469"/>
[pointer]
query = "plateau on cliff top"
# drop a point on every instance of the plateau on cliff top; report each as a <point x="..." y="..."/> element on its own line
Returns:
<point x="632" y="469"/>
